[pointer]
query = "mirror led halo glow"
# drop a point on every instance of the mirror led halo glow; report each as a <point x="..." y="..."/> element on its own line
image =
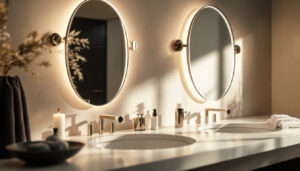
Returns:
<point x="187" y="61"/>
<point x="125" y="56"/>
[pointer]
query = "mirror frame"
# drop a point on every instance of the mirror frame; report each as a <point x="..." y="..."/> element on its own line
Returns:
<point x="188" y="51"/>
<point x="126" y="56"/>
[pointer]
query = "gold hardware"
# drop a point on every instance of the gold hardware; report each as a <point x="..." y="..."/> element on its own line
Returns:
<point x="54" y="39"/>
<point x="90" y="129"/>
<point x="178" y="45"/>
<point x="97" y="91"/>
<point x="216" y="110"/>
<point x="237" y="49"/>
<point x="214" y="118"/>
<point x="112" y="128"/>
<point x="106" y="116"/>
<point x="133" y="45"/>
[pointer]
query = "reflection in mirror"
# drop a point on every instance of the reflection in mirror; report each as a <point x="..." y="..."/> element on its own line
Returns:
<point x="99" y="75"/>
<point x="211" y="53"/>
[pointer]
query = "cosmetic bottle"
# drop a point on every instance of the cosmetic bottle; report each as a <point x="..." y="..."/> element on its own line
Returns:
<point x="154" y="120"/>
<point x="179" y="117"/>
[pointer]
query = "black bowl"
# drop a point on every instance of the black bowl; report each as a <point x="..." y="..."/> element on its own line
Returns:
<point x="19" y="150"/>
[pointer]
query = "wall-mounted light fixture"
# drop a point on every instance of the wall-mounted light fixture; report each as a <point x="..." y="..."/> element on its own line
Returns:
<point x="178" y="45"/>
<point x="54" y="39"/>
<point x="237" y="49"/>
<point x="133" y="45"/>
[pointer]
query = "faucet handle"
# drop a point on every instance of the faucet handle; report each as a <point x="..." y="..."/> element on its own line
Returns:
<point x="228" y="111"/>
<point x="112" y="127"/>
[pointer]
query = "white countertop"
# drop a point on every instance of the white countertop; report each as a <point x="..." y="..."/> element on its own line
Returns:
<point x="211" y="147"/>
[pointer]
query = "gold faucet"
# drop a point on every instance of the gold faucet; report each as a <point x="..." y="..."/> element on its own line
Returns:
<point x="216" y="110"/>
<point x="111" y="117"/>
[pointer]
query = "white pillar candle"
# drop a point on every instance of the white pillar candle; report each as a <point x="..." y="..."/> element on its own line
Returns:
<point x="59" y="123"/>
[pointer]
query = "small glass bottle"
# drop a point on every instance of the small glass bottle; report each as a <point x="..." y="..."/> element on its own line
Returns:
<point x="154" y="120"/>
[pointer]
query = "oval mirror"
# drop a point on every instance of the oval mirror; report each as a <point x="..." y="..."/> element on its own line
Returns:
<point x="96" y="52"/>
<point x="211" y="54"/>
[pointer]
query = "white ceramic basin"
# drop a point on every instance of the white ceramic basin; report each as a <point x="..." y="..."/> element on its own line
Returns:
<point x="141" y="141"/>
<point x="244" y="128"/>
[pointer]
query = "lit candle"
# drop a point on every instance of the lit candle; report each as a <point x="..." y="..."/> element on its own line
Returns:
<point x="59" y="123"/>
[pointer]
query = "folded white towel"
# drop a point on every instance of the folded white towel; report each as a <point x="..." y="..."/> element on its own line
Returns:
<point x="295" y="124"/>
<point x="289" y="124"/>
<point x="283" y="121"/>
<point x="274" y="123"/>
<point x="279" y="116"/>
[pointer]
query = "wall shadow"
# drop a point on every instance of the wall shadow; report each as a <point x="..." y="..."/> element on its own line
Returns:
<point x="74" y="128"/>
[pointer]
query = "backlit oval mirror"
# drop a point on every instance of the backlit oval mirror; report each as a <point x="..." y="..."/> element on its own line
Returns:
<point x="96" y="52"/>
<point x="211" y="54"/>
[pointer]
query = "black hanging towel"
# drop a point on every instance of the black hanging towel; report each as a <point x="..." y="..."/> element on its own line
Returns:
<point x="14" y="123"/>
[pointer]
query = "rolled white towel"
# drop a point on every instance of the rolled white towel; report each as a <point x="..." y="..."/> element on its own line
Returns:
<point x="284" y="124"/>
<point x="272" y="124"/>
<point x="283" y="121"/>
<point x="289" y="124"/>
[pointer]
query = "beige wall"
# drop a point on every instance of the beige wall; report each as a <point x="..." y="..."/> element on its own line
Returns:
<point x="286" y="57"/>
<point x="153" y="79"/>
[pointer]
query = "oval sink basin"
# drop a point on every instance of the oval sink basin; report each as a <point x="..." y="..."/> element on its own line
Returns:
<point x="141" y="141"/>
<point x="244" y="128"/>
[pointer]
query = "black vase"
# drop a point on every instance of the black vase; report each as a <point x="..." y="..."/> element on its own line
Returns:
<point x="14" y="124"/>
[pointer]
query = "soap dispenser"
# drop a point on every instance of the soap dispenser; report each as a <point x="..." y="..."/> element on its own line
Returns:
<point x="154" y="120"/>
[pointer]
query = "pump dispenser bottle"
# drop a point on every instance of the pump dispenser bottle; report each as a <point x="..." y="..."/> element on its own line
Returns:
<point x="154" y="120"/>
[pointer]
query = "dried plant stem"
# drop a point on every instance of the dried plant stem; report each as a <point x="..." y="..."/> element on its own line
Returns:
<point x="33" y="47"/>
<point x="27" y="52"/>
<point x="75" y="45"/>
